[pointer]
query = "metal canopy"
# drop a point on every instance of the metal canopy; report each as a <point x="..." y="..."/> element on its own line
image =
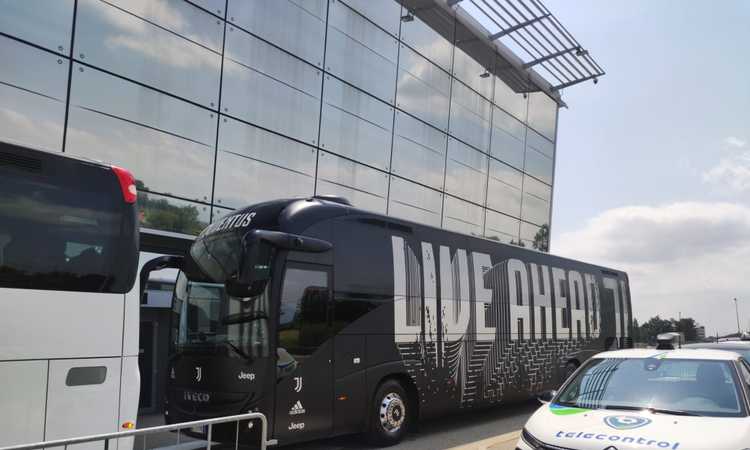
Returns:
<point x="520" y="41"/>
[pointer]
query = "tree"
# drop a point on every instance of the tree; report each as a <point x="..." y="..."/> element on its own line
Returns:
<point x="541" y="239"/>
<point x="655" y="326"/>
<point x="636" y="331"/>
<point x="688" y="327"/>
<point x="518" y="243"/>
<point x="162" y="214"/>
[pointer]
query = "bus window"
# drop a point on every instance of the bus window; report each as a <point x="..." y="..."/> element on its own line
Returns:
<point x="65" y="230"/>
<point x="303" y="314"/>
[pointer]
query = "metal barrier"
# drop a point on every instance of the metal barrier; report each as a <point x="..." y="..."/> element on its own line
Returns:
<point x="208" y="423"/>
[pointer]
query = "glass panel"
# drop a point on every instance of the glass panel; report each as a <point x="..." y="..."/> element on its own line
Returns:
<point x="254" y="54"/>
<point x="41" y="22"/>
<point x="419" y="151"/>
<point x="427" y="42"/>
<point x="385" y="14"/>
<point x="537" y="188"/>
<point x="470" y="117"/>
<point x="504" y="189"/>
<point x="423" y="89"/>
<point x="529" y="231"/>
<point x="361" y="53"/>
<point x="507" y="148"/>
<point x="365" y="187"/>
<point x="160" y="162"/>
<point x="466" y="172"/>
<point x="275" y="105"/>
<point x="180" y="17"/>
<point x="355" y="125"/>
<point x="213" y="6"/>
<point x="31" y="119"/>
<point x="242" y="181"/>
<point x="98" y="91"/>
<point x="501" y="228"/>
<point x="317" y="8"/>
<point x="535" y="209"/>
<point x="414" y="202"/>
<point x="539" y="143"/>
<point x="538" y="165"/>
<point x="247" y="140"/>
<point x="468" y="70"/>
<point x="303" y="311"/>
<point x="543" y="114"/>
<point x="33" y="69"/>
<point x="170" y="214"/>
<point x="462" y="216"/>
<point x="282" y="23"/>
<point x="124" y="44"/>
<point x="507" y="123"/>
<point x="510" y="101"/>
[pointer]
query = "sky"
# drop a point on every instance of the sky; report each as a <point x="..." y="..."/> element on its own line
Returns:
<point x="653" y="162"/>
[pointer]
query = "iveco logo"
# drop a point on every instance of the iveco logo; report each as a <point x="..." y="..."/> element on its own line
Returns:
<point x="198" y="397"/>
<point x="626" y="422"/>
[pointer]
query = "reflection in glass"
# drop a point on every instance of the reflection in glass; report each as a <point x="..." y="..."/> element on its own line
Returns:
<point x="504" y="189"/>
<point x="180" y="17"/>
<point x="423" y="89"/>
<point x="129" y="46"/>
<point x="355" y="125"/>
<point x="538" y="165"/>
<point x="466" y="172"/>
<point x="242" y="181"/>
<point x="540" y="143"/>
<point x="368" y="186"/>
<point x="470" y="117"/>
<point x="534" y="236"/>
<point x="275" y="105"/>
<point x="170" y="214"/>
<point x="543" y="114"/>
<point x="468" y="70"/>
<point x="33" y="69"/>
<point x="247" y="140"/>
<point x="512" y="102"/>
<point x="537" y="188"/>
<point x="534" y="209"/>
<point x="213" y="6"/>
<point x="414" y="202"/>
<point x="165" y="163"/>
<point x="284" y="24"/>
<point x="427" y="42"/>
<point x="31" y="119"/>
<point x="386" y="15"/>
<point x="359" y="52"/>
<point x="418" y="151"/>
<point x="96" y="90"/>
<point x="501" y="228"/>
<point x="507" y="148"/>
<point x="41" y="22"/>
<point x="462" y="216"/>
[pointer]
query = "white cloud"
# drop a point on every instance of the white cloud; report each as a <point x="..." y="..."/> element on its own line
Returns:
<point x="733" y="141"/>
<point x="687" y="257"/>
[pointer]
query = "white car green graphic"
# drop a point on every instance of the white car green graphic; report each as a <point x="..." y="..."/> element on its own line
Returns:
<point x="648" y="399"/>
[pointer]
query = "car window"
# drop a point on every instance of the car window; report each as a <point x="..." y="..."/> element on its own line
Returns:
<point x="703" y="387"/>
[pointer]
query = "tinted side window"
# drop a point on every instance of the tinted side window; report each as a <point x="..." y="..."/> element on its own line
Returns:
<point x="63" y="226"/>
<point x="303" y="312"/>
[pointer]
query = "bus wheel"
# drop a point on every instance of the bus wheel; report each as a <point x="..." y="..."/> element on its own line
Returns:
<point x="570" y="367"/>
<point x="389" y="414"/>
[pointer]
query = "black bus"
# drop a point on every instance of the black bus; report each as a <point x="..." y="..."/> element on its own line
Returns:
<point x="333" y="320"/>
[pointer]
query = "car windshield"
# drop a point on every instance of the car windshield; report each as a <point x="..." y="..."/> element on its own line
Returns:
<point x="676" y="386"/>
<point x="207" y="319"/>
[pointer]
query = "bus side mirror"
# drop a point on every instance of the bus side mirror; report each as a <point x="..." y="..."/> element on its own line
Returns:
<point x="162" y="262"/>
<point x="546" y="396"/>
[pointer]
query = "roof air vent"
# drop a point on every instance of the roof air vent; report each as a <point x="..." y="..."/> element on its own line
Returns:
<point x="334" y="199"/>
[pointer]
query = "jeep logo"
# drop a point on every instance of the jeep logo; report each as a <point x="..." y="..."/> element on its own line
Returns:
<point x="198" y="397"/>
<point x="246" y="376"/>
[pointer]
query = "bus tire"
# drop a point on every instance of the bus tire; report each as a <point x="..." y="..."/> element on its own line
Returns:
<point x="390" y="414"/>
<point x="570" y="368"/>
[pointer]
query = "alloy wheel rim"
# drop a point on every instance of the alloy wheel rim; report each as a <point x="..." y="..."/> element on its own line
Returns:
<point x="392" y="412"/>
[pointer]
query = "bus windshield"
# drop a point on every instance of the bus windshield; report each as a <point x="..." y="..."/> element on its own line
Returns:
<point x="207" y="319"/>
<point x="674" y="386"/>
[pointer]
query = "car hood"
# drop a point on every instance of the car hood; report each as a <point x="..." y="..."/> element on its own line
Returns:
<point x="585" y="429"/>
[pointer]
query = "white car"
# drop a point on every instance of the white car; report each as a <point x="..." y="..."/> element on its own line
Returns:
<point x="647" y="399"/>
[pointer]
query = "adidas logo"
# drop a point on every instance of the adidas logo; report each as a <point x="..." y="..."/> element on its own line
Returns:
<point x="297" y="409"/>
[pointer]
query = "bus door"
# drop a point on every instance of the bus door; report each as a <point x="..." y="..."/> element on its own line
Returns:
<point x="304" y="388"/>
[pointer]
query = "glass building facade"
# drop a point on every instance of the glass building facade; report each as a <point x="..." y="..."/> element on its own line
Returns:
<point x="216" y="104"/>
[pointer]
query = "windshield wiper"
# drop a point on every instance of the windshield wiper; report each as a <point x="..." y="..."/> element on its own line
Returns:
<point x="243" y="317"/>
<point x="674" y="412"/>
<point x="625" y="407"/>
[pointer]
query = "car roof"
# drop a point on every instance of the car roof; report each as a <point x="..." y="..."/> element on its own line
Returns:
<point x="689" y="353"/>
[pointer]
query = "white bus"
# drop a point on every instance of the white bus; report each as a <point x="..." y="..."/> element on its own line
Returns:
<point x="69" y="300"/>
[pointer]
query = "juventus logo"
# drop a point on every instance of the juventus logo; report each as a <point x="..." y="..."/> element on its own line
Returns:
<point x="297" y="384"/>
<point x="198" y="373"/>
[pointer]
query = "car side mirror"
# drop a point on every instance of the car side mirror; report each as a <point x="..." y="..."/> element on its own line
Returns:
<point x="546" y="396"/>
